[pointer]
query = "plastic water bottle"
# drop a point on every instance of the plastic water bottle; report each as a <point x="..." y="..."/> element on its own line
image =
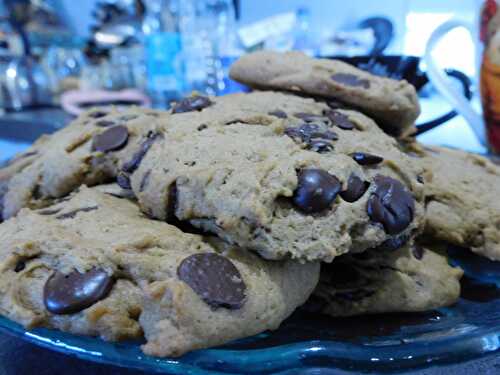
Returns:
<point x="226" y="41"/>
<point x="164" y="63"/>
<point x="198" y="47"/>
<point x="303" y="41"/>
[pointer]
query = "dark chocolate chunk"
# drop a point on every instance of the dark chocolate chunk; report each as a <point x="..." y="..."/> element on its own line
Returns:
<point x="278" y="113"/>
<point x="48" y="211"/>
<point x="366" y="159"/>
<point x="350" y="80"/>
<point x="356" y="187"/>
<point x="72" y="293"/>
<point x="72" y="214"/>
<point x="336" y="104"/>
<point x="327" y="135"/>
<point x="316" y="190"/>
<point x="192" y="103"/>
<point x="104" y="123"/>
<point x="215" y="279"/>
<point x="394" y="243"/>
<point x="123" y="180"/>
<point x="172" y="201"/>
<point x="20" y="266"/>
<point x="420" y="179"/>
<point x="97" y="114"/>
<point x="202" y="127"/>
<point x="391" y="205"/>
<point x="320" y="146"/>
<point x="112" y="139"/>
<point x="131" y="165"/>
<point x="340" y="120"/>
<point x="418" y="252"/>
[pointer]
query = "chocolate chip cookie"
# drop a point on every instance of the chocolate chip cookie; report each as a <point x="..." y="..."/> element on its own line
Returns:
<point x="409" y="279"/>
<point x="300" y="180"/>
<point x="93" y="264"/>
<point x="462" y="206"/>
<point x="394" y="104"/>
<point x="88" y="151"/>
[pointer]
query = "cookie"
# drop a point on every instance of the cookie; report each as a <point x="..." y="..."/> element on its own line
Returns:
<point x="409" y="279"/>
<point x="393" y="104"/>
<point x="93" y="264"/>
<point x="462" y="206"/>
<point x="311" y="185"/>
<point x="88" y="151"/>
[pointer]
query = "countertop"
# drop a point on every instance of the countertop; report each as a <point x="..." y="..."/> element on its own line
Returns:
<point x="20" y="357"/>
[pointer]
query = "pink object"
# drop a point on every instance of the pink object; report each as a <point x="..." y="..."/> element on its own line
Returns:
<point x="78" y="101"/>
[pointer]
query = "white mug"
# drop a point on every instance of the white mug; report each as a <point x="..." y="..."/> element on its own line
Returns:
<point x="486" y="35"/>
<point x="443" y="84"/>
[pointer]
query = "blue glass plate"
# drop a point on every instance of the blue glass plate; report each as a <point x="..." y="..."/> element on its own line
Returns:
<point x="380" y="342"/>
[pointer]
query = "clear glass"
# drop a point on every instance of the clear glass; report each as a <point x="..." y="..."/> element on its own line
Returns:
<point x="469" y="329"/>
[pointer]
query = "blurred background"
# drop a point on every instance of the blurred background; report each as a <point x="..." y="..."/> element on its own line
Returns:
<point x="59" y="57"/>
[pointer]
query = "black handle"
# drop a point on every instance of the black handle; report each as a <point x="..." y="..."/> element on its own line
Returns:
<point x="467" y="92"/>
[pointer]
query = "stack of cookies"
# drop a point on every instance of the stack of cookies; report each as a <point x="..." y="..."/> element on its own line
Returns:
<point x="216" y="220"/>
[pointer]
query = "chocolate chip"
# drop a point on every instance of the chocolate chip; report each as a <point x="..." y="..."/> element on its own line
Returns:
<point x="97" y="114"/>
<point x="356" y="187"/>
<point x="320" y="146"/>
<point x="104" y="123"/>
<point x="72" y="214"/>
<point x="112" y="139"/>
<point x="123" y="180"/>
<point x="72" y="293"/>
<point x="316" y="190"/>
<point x="327" y="135"/>
<point x="49" y="211"/>
<point x="278" y="113"/>
<point x="366" y="159"/>
<point x="192" y="103"/>
<point x="131" y="165"/>
<point x="145" y="180"/>
<point x="202" y="127"/>
<point x="336" y="104"/>
<point x="350" y="80"/>
<point x="418" y="252"/>
<point x="340" y="120"/>
<point x="20" y="266"/>
<point x="420" y="179"/>
<point x="215" y="279"/>
<point x="394" y="243"/>
<point x="308" y="117"/>
<point x="391" y="205"/>
<point x="172" y="201"/>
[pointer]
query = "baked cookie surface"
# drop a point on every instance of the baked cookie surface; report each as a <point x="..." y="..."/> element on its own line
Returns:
<point x="463" y="205"/>
<point x="87" y="151"/>
<point x="409" y="279"/>
<point x="394" y="104"/>
<point x="281" y="181"/>
<point x="93" y="264"/>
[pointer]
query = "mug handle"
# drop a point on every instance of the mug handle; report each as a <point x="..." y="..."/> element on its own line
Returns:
<point x="442" y="83"/>
<point x="466" y="83"/>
